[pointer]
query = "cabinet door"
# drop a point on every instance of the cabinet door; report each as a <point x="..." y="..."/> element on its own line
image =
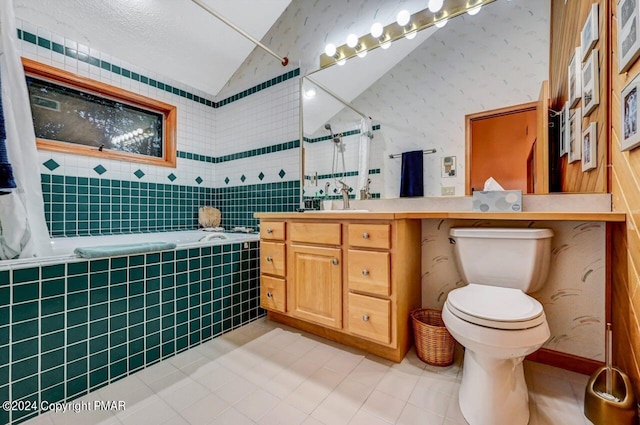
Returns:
<point x="316" y="284"/>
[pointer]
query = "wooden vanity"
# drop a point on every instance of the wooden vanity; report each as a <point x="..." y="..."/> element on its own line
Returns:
<point x="349" y="277"/>
<point x="354" y="277"/>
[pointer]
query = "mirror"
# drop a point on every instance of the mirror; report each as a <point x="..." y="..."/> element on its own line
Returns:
<point x="418" y="93"/>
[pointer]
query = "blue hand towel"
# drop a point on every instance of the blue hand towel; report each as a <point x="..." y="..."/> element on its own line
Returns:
<point x="411" y="178"/>
<point x="127" y="249"/>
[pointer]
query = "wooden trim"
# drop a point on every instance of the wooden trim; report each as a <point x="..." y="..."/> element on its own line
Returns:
<point x="493" y="113"/>
<point x="619" y="217"/>
<point x="565" y="361"/>
<point x="58" y="76"/>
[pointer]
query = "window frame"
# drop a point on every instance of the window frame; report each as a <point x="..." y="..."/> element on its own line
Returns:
<point x="96" y="88"/>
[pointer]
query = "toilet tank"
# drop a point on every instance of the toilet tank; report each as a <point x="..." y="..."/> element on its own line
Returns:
<point x="509" y="258"/>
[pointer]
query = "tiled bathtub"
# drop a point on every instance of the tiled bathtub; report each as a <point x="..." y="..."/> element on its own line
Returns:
<point x="69" y="326"/>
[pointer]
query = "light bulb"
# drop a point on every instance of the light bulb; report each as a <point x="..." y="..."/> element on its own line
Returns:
<point x="411" y="35"/>
<point x="441" y="23"/>
<point x="376" y="30"/>
<point x="403" y="17"/>
<point x="309" y="93"/>
<point x="362" y="53"/>
<point x="435" y="5"/>
<point x="330" y="49"/>
<point x="386" y="45"/>
<point x="352" y="40"/>
<point x="341" y="62"/>
<point x="474" y="10"/>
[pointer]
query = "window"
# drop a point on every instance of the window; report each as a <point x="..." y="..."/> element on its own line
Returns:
<point x="76" y="115"/>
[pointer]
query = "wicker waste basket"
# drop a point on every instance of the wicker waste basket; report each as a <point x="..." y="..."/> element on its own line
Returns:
<point x="434" y="343"/>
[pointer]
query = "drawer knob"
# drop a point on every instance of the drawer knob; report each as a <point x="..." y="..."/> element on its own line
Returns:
<point x="269" y="259"/>
<point x="365" y="318"/>
<point x="365" y="272"/>
<point x="269" y="295"/>
<point x="269" y="231"/>
<point x="335" y="261"/>
<point x="365" y="235"/>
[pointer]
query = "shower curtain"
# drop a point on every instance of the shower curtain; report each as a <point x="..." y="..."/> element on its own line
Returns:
<point x="23" y="230"/>
<point x="366" y="134"/>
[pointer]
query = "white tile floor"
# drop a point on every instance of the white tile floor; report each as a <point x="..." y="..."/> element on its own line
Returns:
<point x="268" y="374"/>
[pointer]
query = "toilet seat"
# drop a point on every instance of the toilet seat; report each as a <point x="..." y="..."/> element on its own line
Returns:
<point x="495" y="307"/>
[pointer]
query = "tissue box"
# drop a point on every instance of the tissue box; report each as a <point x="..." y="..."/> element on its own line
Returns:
<point x="497" y="201"/>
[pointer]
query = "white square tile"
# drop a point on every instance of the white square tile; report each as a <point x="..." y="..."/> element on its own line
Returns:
<point x="235" y="390"/>
<point x="384" y="406"/>
<point x="399" y="384"/>
<point x="363" y="417"/>
<point x="205" y="410"/>
<point x="283" y="414"/>
<point x="257" y="404"/>
<point x="152" y="410"/>
<point x="232" y="417"/>
<point x="411" y="415"/>
<point x="183" y="394"/>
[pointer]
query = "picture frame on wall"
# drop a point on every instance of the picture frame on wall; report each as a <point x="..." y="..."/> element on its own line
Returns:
<point x="575" y="132"/>
<point x="630" y="116"/>
<point x="590" y="84"/>
<point x="628" y="33"/>
<point x="589" y="34"/>
<point x="590" y="147"/>
<point x="564" y="121"/>
<point x="574" y="77"/>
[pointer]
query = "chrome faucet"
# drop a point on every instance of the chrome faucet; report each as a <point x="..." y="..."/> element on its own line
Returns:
<point x="365" y="193"/>
<point x="345" y="194"/>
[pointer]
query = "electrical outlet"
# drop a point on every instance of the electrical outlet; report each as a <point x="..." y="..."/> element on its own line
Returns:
<point x="448" y="190"/>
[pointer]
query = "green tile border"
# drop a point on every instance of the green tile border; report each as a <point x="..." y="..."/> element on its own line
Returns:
<point x="293" y="144"/>
<point x="347" y="174"/>
<point x="91" y="60"/>
<point x="344" y="134"/>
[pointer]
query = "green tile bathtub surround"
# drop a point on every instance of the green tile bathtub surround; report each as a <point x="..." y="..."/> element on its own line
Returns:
<point x="74" y="350"/>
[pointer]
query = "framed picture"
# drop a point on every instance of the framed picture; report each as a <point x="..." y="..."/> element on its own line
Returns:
<point x="564" y="121"/>
<point x="575" y="131"/>
<point x="575" y="82"/>
<point x="590" y="147"/>
<point x="590" y="84"/>
<point x="589" y="34"/>
<point x="629" y="113"/>
<point x="628" y="33"/>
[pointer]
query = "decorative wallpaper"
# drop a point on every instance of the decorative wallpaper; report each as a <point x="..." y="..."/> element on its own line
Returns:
<point x="573" y="296"/>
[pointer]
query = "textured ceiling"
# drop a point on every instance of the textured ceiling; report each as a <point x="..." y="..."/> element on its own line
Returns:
<point x="176" y="38"/>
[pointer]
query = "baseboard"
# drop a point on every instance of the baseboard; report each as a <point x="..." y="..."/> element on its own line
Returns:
<point x="565" y="361"/>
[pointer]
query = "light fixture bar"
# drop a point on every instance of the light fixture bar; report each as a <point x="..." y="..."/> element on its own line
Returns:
<point x="419" y="21"/>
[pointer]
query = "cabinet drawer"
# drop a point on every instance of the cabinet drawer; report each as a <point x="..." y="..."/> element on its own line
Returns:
<point x="370" y="235"/>
<point x="370" y="317"/>
<point x="272" y="258"/>
<point x="273" y="294"/>
<point x="316" y="233"/>
<point x="369" y="272"/>
<point x="273" y="230"/>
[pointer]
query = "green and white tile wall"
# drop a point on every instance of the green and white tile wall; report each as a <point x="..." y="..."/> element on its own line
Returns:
<point x="68" y="329"/>
<point x="319" y="152"/>
<point x="253" y="153"/>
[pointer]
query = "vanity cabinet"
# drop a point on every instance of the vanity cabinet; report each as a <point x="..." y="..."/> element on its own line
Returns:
<point x="351" y="278"/>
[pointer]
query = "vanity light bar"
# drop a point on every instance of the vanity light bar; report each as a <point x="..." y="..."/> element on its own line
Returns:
<point x="418" y="21"/>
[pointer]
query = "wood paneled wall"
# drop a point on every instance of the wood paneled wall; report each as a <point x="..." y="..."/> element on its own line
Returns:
<point x="567" y="19"/>
<point x="625" y="187"/>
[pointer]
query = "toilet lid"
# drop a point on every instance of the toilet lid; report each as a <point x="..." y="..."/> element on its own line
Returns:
<point x="495" y="307"/>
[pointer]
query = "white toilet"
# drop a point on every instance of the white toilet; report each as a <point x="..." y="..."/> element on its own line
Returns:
<point x="495" y="320"/>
